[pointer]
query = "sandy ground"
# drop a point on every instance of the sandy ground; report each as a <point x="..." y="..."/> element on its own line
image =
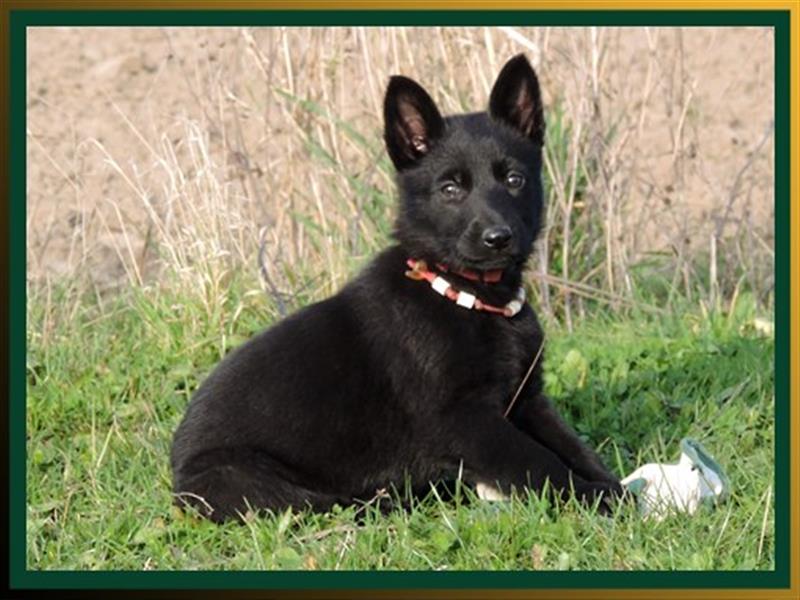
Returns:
<point x="695" y="107"/>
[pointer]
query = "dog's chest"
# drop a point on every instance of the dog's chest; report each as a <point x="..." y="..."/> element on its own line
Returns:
<point x="514" y="344"/>
<point x="492" y="356"/>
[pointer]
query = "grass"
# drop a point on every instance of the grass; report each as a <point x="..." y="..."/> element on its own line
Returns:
<point x="108" y="385"/>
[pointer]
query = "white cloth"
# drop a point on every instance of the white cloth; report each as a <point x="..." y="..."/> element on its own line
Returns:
<point x="664" y="489"/>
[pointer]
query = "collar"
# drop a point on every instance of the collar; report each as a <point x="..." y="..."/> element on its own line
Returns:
<point x="419" y="271"/>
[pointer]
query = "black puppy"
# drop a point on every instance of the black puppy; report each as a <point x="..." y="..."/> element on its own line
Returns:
<point x="405" y="375"/>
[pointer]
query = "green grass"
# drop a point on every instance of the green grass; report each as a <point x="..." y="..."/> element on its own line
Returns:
<point x="108" y="385"/>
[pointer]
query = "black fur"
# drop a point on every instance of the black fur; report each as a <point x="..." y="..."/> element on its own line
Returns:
<point x="388" y="382"/>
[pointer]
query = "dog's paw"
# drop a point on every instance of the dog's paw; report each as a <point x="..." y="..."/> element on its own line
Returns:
<point x="606" y="495"/>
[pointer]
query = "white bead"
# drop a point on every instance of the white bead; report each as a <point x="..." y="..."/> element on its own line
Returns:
<point x="514" y="306"/>
<point x="466" y="300"/>
<point x="440" y="285"/>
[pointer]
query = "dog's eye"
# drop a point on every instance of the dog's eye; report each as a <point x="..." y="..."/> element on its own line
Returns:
<point x="450" y="190"/>
<point x="515" y="180"/>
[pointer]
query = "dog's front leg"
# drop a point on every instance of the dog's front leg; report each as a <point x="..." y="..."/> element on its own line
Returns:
<point x="496" y="453"/>
<point x="537" y="417"/>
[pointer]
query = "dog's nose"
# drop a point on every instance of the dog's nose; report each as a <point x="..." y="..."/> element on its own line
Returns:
<point x="497" y="238"/>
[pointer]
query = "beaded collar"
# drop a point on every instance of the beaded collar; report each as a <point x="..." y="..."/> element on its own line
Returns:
<point x="419" y="271"/>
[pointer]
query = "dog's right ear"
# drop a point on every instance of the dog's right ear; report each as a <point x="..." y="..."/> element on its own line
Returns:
<point x="411" y="120"/>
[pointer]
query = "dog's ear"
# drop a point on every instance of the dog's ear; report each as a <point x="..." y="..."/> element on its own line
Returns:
<point x="516" y="99"/>
<point x="411" y="120"/>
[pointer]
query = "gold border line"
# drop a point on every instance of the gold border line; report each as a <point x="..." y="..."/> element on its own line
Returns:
<point x="683" y="5"/>
<point x="794" y="299"/>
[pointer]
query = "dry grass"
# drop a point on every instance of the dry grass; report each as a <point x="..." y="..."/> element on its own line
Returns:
<point x="190" y="153"/>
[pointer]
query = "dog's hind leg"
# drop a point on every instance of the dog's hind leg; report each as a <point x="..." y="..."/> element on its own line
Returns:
<point x="226" y="485"/>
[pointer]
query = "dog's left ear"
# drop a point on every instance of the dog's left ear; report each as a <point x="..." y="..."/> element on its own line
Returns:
<point x="516" y="99"/>
<point x="412" y="121"/>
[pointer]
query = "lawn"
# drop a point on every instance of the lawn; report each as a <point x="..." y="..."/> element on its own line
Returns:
<point x="108" y="380"/>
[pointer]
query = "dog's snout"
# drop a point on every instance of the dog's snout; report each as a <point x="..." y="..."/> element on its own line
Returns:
<point x="497" y="238"/>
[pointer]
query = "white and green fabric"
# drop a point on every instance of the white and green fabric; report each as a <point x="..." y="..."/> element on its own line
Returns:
<point x="695" y="480"/>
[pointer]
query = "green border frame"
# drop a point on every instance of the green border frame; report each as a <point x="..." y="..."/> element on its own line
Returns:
<point x="21" y="578"/>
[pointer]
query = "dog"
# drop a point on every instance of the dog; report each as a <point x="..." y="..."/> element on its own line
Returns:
<point x="406" y="376"/>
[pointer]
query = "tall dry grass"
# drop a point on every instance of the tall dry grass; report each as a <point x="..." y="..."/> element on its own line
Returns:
<point x="211" y="151"/>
